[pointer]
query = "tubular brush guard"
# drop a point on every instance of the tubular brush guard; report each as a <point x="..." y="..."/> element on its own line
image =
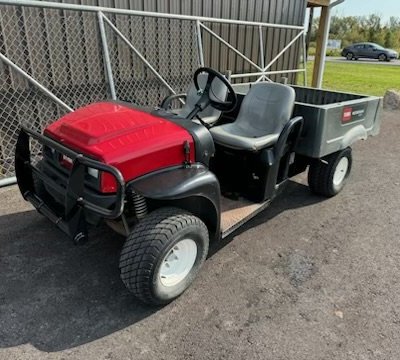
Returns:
<point x="72" y="221"/>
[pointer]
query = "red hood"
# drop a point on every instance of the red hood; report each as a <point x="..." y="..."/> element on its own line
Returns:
<point x="134" y="141"/>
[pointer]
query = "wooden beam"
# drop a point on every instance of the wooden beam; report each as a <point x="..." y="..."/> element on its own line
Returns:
<point x="313" y="3"/>
<point x="319" y="61"/>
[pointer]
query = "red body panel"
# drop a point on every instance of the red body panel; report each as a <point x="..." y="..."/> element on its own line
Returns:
<point x="133" y="141"/>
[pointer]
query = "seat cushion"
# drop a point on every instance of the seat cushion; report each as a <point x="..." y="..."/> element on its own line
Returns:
<point x="264" y="112"/>
<point x="267" y="108"/>
<point x="236" y="137"/>
<point x="210" y="120"/>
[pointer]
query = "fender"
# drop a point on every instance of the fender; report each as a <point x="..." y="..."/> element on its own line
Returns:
<point x="357" y="133"/>
<point x="194" y="188"/>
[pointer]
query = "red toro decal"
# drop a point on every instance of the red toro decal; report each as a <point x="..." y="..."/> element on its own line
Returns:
<point x="347" y="114"/>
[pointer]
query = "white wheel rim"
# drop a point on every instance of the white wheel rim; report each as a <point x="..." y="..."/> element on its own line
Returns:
<point x="177" y="264"/>
<point x="341" y="171"/>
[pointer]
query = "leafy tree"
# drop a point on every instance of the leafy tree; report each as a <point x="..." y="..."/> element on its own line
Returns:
<point x="389" y="39"/>
<point x="352" y="29"/>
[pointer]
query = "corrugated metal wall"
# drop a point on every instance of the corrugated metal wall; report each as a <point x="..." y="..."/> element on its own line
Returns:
<point x="23" y="30"/>
<point x="245" y="39"/>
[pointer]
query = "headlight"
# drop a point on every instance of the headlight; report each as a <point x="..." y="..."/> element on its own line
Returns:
<point x="93" y="172"/>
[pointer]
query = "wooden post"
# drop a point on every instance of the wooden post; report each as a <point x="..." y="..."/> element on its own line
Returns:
<point x="322" y="39"/>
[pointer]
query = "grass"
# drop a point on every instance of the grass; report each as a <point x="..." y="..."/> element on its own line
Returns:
<point x="368" y="79"/>
<point x="329" y="52"/>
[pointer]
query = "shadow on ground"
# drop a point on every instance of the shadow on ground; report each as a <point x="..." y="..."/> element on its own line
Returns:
<point x="56" y="296"/>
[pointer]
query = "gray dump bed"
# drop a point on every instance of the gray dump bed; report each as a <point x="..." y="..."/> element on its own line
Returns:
<point x="332" y="120"/>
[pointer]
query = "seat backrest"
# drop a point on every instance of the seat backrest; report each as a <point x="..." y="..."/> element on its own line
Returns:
<point x="218" y="91"/>
<point x="266" y="108"/>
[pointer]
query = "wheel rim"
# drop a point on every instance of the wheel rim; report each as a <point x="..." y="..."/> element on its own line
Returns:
<point x="349" y="56"/>
<point x="341" y="171"/>
<point x="382" y="57"/>
<point x="178" y="262"/>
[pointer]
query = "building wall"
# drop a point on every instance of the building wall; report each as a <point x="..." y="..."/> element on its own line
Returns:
<point x="289" y="12"/>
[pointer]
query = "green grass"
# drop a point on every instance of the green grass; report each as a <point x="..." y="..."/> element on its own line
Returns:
<point x="368" y="79"/>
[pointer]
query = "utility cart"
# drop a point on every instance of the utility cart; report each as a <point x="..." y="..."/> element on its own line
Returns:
<point x="174" y="180"/>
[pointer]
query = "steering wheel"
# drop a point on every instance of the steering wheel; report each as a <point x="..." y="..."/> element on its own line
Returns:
<point x="205" y="99"/>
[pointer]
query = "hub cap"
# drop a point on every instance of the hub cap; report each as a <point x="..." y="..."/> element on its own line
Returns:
<point x="341" y="171"/>
<point x="177" y="264"/>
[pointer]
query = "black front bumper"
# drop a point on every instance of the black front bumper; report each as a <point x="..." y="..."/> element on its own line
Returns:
<point x="76" y="201"/>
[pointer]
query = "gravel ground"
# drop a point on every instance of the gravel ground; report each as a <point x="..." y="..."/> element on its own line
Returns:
<point x="309" y="278"/>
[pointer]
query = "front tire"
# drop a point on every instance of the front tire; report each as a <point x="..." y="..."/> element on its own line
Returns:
<point x="163" y="254"/>
<point x="328" y="176"/>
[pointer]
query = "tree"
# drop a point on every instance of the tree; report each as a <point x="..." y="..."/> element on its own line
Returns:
<point x="352" y="29"/>
<point x="389" y="39"/>
<point x="373" y="28"/>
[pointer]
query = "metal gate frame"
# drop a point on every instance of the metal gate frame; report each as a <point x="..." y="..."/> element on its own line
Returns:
<point x="261" y="73"/>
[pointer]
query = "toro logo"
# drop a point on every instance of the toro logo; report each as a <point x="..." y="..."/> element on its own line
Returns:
<point x="347" y="114"/>
<point x="353" y="113"/>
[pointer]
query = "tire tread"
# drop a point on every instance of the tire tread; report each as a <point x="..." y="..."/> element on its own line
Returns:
<point x="320" y="173"/>
<point x="145" y="244"/>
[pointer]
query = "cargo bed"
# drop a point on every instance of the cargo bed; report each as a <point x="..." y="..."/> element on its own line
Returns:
<point x="332" y="120"/>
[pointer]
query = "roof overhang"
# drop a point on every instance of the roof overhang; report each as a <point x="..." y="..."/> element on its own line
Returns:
<point x="318" y="3"/>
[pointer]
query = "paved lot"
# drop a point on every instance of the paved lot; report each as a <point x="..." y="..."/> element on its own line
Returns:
<point x="307" y="279"/>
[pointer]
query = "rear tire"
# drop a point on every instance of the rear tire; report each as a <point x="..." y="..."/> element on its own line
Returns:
<point x="350" y="56"/>
<point x="163" y="254"/>
<point x="328" y="176"/>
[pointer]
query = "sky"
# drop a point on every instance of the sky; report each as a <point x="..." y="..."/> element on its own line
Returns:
<point x="384" y="8"/>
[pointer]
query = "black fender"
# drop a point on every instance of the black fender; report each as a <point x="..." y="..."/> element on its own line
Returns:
<point x="194" y="188"/>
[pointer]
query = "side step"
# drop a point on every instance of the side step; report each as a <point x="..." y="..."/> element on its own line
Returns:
<point x="237" y="212"/>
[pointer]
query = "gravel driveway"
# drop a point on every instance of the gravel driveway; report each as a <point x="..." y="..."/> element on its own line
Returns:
<point x="309" y="278"/>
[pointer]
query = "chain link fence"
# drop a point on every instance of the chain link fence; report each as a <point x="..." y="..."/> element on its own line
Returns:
<point x="62" y="50"/>
<point x="54" y="60"/>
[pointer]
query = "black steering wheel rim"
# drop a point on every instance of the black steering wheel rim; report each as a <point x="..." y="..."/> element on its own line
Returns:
<point x="219" y="105"/>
